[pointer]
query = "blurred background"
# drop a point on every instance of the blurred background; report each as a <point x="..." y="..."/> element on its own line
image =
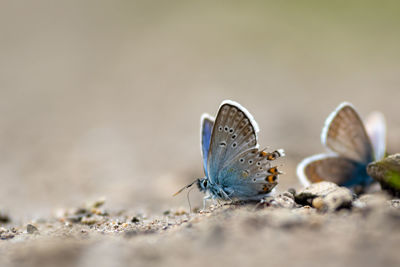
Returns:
<point x="103" y="98"/>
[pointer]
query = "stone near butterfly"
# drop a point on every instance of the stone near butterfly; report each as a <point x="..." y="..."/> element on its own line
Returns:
<point x="374" y="201"/>
<point x="31" y="229"/>
<point x="6" y="234"/>
<point x="387" y="173"/>
<point x="325" y="196"/>
<point x="395" y="203"/>
<point x="283" y="200"/>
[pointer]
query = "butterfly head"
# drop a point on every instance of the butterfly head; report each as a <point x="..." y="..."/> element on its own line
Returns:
<point x="202" y="184"/>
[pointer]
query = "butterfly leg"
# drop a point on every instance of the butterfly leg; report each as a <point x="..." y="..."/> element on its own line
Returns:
<point x="228" y="193"/>
<point x="262" y="202"/>
<point x="205" y="200"/>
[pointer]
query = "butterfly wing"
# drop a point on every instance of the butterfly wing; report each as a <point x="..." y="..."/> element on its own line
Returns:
<point x="251" y="174"/>
<point x="234" y="161"/>
<point x="330" y="167"/>
<point x="376" y="128"/>
<point x="207" y="123"/>
<point x="345" y="134"/>
<point x="233" y="133"/>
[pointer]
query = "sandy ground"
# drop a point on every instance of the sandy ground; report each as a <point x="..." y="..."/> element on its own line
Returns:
<point x="103" y="99"/>
<point x="231" y="234"/>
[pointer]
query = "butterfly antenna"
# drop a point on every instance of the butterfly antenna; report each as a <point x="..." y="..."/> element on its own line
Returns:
<point x="185" y="187"/>
<point x="190" y="206"/>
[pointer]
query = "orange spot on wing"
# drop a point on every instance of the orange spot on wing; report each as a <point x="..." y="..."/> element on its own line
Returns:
<point x="273" y="170"/>
<point x="263" y="154"/>
<point x="271" y="178"/>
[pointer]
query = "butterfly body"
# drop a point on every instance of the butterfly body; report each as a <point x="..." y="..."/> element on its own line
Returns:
<point x="234" y="167"/>
<point x="351" y="147"/>
<point x="359" y="176"/>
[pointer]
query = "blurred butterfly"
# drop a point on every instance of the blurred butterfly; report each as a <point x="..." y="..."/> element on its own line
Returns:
<point x="234" y="167"/>
<point x="351" y="147"/>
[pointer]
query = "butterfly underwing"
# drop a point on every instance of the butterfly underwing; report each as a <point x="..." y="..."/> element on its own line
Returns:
<point x="350" y="145"/>
<point x="234" y="167"/>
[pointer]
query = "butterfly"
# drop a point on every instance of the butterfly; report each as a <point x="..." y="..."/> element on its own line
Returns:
<point x="351" y="146"/>
<point x="233" y="165"/>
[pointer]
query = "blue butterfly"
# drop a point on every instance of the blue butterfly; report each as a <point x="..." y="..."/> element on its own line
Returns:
<point x="234" y="167"/>
<point x="351" y="147"/>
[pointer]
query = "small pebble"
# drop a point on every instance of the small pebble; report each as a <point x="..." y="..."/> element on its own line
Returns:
<point x="31" y="229"/>
<point x="285" y="200"/>
<point x="318" y="203"/>
<point x="377" y="200"/>
<point x="4" y="218"/>
<point x="292" y="191"/>
<point x="75" y="218"/>
<point x="395" y="203"/>
<point x="180" y="212"/>
<point x="6" y="235"/>
<point x="167" y="212"/>
<point x="325" y="196"/>
<point x="91" y="220"/>
<point x="97" y="204"/>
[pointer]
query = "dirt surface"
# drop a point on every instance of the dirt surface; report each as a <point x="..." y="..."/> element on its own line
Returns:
<point x="227" y="234"/>
<point x="102" y="99"/>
